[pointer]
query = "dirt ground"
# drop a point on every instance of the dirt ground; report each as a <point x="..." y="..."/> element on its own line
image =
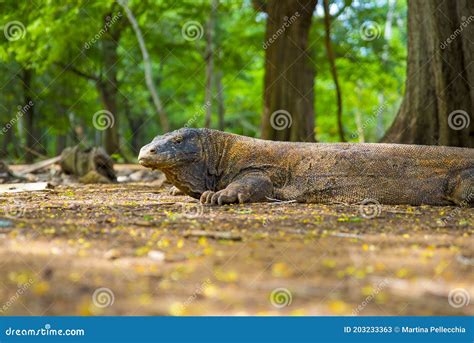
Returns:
<point x="133" y="249"/>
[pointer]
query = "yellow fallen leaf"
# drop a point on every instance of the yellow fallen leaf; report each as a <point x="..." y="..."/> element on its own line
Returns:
<point x="402" y="273"/>
<point x="41" y="288"/>
<point x="329" y="263"/>
<point x="338" y="307"/>
<point x="226" y="276"/>
<point x="281" y="269"/>
<point x="176" y="309"/>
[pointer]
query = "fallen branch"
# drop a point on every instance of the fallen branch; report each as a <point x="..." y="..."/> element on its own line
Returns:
<point x="40" y="165"/>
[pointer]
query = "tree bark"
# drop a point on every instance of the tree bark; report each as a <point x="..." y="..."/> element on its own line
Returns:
<point x="332" y="64"/>
<point x="148" y="68"/>
<point x="289" y="75"/>
<point x="439" y="98"/>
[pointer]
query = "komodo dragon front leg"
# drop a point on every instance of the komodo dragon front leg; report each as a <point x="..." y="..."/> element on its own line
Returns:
<point x="247" y="188"/>
<point x="463" y="190"/>
<point x="175" y="191"/>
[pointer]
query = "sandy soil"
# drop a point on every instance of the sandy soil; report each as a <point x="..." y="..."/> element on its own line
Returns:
<point x="132" y="249"/>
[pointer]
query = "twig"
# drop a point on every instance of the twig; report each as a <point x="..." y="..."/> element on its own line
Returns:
<point x="78" y="72"/>
<point x="279" y="202"/>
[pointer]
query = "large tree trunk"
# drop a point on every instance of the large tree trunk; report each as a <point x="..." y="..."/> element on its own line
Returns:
<point x="439" y="97"/>
<point x="289" y="75"/>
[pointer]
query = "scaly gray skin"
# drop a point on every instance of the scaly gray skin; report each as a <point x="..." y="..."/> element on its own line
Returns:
<point x="222" y="168"/>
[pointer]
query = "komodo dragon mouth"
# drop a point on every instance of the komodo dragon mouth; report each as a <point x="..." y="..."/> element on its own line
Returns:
<point x="222" y="168"/>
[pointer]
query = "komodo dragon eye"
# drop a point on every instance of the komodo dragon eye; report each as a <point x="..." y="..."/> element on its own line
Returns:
<point x="178" y="139"/>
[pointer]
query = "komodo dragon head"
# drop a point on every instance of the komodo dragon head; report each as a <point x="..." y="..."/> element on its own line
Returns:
<point x="182" y="156"/>
<point x="174" y="149"/>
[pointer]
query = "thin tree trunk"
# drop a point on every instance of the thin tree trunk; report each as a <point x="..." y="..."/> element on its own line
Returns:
<point x="289" y="74"/>
<point x="61" y="139"/>
<point x="8" y="139"/>
<point x="108" y="87"/>
<point x="148" y="67"/>
<point x="61" y="143"/>
<point x="108" y="94"/>
<point x="136" y="125"/>
<point x="210" y="63"/>
<point x="220" y="101"/>
<point x="380" y="130"/>
<point x="29" y="115"/>
<point x="439" y="98"/>
<point x="111" y="135"/>
<point x="358" y="115"/>
<point x="332" y="64"/>
<point x="360" y="128"/>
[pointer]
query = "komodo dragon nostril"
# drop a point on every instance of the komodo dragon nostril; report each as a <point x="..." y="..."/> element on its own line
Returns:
<point x="152" y="151"/>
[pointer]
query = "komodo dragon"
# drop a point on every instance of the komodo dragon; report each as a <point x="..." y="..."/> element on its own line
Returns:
<point x="223" y="168"/>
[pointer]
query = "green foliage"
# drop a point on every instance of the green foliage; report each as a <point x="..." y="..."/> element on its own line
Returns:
<point x="60" y="35"/>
